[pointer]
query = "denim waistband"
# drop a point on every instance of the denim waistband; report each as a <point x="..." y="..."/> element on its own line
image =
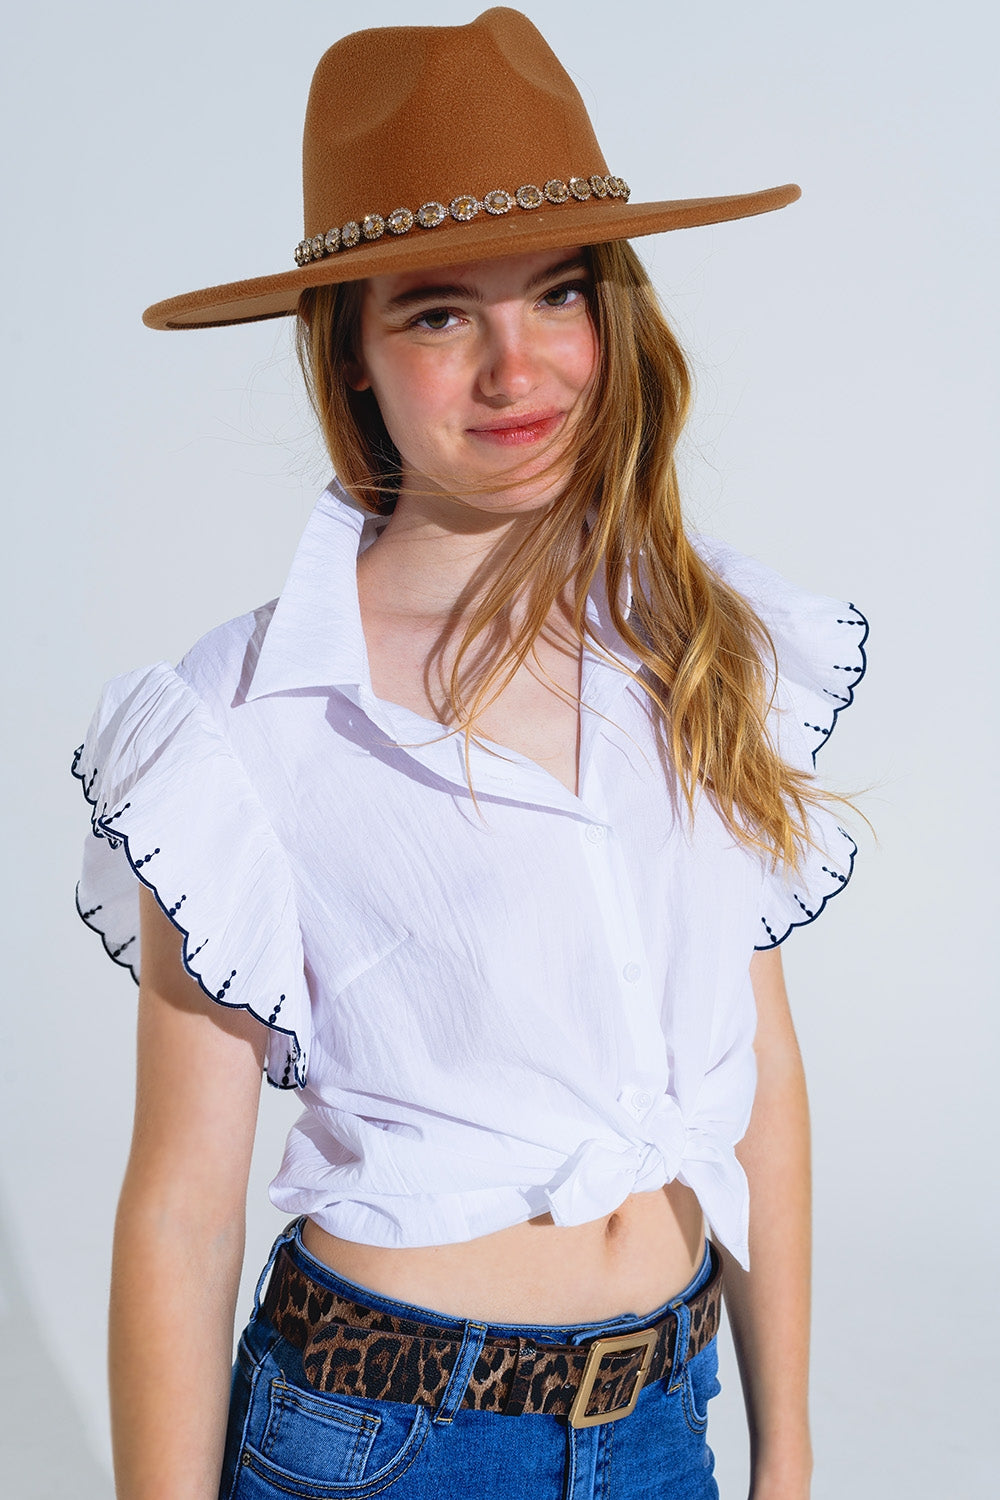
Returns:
<point x="563" y="1333"/>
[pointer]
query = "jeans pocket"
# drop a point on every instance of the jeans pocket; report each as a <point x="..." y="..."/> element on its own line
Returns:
<point x="313" y="1445"/>
<point x="701" y="1383"/>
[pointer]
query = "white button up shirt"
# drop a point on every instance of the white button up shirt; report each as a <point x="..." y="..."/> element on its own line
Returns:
<point x="542" y="1005"/>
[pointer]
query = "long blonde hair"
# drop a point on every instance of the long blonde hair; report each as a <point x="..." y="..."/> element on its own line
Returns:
<point x="701" y="647"/>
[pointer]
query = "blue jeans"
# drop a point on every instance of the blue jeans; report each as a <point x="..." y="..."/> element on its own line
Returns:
<point x="286" y="1439"/>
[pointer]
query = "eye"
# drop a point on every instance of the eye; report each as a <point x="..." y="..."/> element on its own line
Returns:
<point x="567" y="295"/>
<point x="436" y="319"/>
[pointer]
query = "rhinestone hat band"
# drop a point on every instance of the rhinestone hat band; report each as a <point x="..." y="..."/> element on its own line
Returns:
<point x="461" y="209"/>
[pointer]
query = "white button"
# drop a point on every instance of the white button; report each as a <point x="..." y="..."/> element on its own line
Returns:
<point x="596" y="834"/>
<point x="642" y="1100"/>
<point x="632" y="972"/>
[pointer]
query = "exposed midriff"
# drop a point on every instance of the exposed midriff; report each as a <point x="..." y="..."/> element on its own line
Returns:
<point x="630" y="1261"/>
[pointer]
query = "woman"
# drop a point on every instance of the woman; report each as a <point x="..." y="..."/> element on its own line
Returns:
<point x="471" y="839"/>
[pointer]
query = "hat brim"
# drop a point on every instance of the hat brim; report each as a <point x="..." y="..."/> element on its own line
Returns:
<point x="483" y="238"/>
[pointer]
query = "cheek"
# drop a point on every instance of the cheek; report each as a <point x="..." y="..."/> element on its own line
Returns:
<point x="413" y="392"/>
<point x="580" y="357"/>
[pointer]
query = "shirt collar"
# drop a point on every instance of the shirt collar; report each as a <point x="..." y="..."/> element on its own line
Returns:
<point x="315" y="637"/>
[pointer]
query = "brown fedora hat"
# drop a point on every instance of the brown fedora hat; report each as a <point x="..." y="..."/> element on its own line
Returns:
<point x="436" y="145"/>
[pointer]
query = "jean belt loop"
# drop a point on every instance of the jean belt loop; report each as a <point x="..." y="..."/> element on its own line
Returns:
<point x="682" y="1313"/>
<point x="288" y="1233"/>
<point x="473" y="1340"/>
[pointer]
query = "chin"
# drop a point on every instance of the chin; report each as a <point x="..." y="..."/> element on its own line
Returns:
<point x="517" y="502"/>
<point x="529" y="494"/>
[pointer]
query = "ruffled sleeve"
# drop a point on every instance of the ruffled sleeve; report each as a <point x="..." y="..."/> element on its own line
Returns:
<point x="172" y="807"/>
<point x="820" y="648"/>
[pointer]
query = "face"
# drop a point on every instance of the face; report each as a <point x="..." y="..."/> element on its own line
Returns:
<point x="480" y="372"/>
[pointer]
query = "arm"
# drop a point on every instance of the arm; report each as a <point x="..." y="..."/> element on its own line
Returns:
<point x="769" y="1306"/>
<point x="179" y="1234"/>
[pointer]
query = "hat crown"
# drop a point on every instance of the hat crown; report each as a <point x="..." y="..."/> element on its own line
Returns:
<point x="403" y="115"/>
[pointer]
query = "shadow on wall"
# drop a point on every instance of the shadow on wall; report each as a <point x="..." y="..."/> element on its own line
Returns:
<point x="44" y="1452"/>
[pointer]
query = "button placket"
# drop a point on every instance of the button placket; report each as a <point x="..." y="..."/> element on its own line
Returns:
<point x="643" y="1051"/>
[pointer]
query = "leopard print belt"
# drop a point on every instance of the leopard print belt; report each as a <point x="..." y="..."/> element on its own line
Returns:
<point x="357" y="1351"/>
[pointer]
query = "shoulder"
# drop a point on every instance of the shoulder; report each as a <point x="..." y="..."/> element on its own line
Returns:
<point x="815" y="658"/>
<point x="159" y="721"/>
<point x="219" y="667"/>
<point x="817" y="644"/>
<point x="177" y="804"/>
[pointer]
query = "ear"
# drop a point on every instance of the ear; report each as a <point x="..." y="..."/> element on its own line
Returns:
<point x="356" y="376"/>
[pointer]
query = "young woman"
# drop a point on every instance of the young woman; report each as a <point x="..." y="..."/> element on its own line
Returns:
<point x="471" y="839"/>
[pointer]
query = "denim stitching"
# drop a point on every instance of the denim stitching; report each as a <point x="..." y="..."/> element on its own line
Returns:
<point x="570" y="1458"/>
<point x="361" y="1424"/>
<point x="317" y="1490"/>
<point x="608" y="1438"/>
<point x="469" y="1351"/>
<point x="241" y="1451"/>
<point x="695" y="1423"/>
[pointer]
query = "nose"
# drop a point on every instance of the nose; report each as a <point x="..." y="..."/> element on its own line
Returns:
<point x="508" y="367"/>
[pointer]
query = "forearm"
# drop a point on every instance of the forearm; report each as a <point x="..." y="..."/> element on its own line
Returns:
<point x="769" y="1306"/>
<point x="175" y="1277"/>
<point x="180" y="1230"/>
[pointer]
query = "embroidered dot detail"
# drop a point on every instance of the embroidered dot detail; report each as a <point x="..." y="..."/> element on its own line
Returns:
<point x="93" y="911"/>
<point x="173" y="910"/>
<point x="274" y="1014"/>
<point x="835" y="873"/>
<point x="127" y="943"/>
<point x="769" y="930"/>
<point x="228" y="982"/>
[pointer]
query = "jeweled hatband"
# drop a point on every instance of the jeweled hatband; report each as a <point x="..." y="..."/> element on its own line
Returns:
<point x="461" y="209"/>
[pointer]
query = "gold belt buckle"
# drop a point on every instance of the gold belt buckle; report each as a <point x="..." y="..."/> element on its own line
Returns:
<point x="596" y="1352"/>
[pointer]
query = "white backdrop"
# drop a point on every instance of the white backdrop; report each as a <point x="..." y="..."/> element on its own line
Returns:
<point x="156" y="484"/>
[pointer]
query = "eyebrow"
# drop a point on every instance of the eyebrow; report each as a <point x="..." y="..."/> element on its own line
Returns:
<point x="444" y="291"/>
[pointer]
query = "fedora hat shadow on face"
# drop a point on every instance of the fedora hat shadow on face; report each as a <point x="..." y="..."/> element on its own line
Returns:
<point x="435" y="145"/>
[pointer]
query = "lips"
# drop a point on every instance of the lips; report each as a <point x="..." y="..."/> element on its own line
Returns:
<point x="529" y="427"/>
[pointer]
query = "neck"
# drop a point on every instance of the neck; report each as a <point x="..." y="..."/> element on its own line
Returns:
<point x="436" y="556"/>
